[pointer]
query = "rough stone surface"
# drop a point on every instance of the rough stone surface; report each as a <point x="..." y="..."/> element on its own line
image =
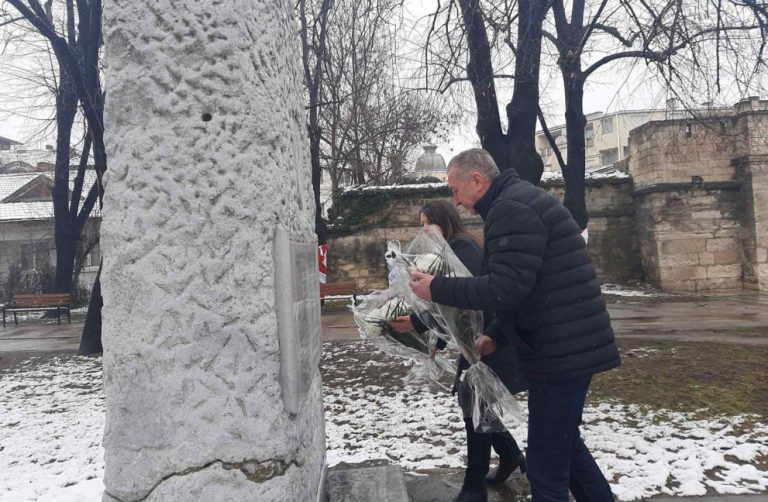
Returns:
<point x="384" y="483"/>
<point x="703" y="193"/>
<point x="207" y="156"/>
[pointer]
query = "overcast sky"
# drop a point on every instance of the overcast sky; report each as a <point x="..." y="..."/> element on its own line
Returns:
<point x="614" y="88"/>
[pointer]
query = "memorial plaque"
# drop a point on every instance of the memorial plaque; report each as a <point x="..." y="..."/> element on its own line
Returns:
<point x="297" y="301"/>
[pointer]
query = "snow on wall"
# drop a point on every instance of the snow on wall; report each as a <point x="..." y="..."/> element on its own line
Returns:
<point x="205" y="140"/>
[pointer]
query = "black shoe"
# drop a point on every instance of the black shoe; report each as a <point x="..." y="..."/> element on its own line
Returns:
<point x="468" y="496"/>
<point x="505" y="470"/>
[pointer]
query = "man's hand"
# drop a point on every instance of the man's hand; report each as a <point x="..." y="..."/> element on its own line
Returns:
<point x="402" y="324"/>
<point x="420" y="283"/>
<point x="485" y="345"/>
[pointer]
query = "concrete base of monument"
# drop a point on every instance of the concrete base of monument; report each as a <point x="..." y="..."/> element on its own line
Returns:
<point x="378" y="480"/>
<point x="370" y="481"/>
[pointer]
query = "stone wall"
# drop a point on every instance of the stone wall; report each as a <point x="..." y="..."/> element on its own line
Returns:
<point x="700" y="191"/>
<point x="693" y="216"/>
<point x="358" y="254"/>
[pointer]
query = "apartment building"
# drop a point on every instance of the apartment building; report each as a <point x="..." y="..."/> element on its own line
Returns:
<point x="606" y="134"/>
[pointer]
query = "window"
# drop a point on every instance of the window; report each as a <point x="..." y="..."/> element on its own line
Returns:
<point x="606" y="125"/>
<point x="608" y="157"/>
<point x="27" y="256"/>
<point x="94" y="257"/>
<point x="35" y="255"/>
<point x="589" y="134"/>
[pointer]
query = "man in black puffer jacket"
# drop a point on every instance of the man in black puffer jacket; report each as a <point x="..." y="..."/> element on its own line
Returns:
<point x="538" y="280"/>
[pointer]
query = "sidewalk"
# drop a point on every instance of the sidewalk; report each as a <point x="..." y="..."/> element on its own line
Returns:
<point x="33" y="337"/>
<point x="738" y="318"/>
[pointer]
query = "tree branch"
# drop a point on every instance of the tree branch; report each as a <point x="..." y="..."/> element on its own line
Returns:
<point x="648" y="55"/>
<point x="614" y="32"/>
<point x="11" y="21"/>
<point x="550" y="139"/>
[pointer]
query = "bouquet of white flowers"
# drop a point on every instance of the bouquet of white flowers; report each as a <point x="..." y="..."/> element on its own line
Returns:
<point x="491" y="400"/>
<point x="372" y="317"/>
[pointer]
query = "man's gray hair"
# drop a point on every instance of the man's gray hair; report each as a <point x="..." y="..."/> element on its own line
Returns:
<point x="474" y="159"/>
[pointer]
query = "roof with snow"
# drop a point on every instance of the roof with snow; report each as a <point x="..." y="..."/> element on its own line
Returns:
<point x="9" y="140"/>
<point x="19" y="201"/>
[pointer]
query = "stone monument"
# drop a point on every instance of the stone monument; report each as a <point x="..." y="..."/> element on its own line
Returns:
<point x="211" y="312"/>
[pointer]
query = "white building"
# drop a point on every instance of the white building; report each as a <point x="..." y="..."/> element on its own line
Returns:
<point x="606" y="135"/>
<point x="27" y="228"/>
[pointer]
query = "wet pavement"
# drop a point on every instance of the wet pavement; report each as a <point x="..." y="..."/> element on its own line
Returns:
<point x="34" y="335"/>
<point x="736" y="318"/>
<point x="740" y="318"/>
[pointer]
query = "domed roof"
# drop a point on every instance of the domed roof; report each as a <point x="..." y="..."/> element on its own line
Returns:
<point x="430" y="161"/>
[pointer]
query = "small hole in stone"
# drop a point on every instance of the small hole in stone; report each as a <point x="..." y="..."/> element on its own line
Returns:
<point x="206" y="117"/>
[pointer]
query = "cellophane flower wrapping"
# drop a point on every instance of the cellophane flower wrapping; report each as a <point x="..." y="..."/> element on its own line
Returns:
<point x="372" y="317"/>
<point x="492" y="403"/>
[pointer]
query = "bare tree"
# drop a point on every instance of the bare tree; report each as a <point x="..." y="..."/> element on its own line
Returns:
<point x="313" y="19"/>
<point x="466" y="42"/>
<point x="691" y="45"/>
<point x="369" y="125"/>
<point x="75" y="39"/>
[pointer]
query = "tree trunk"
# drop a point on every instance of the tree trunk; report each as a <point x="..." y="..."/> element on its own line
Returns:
<point x="90" y="340"/>
<point x="314" y="155"/>
<point x="522" y="111"/>
<point x="576" y="162"/>
<point x="66" y="241"/>
<point x="517" y="148"/>
<point x="480" y="75"/>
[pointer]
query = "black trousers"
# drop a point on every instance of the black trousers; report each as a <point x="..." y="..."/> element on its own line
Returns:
<point x="479" y="445"/>
<point x="558" y="459"/>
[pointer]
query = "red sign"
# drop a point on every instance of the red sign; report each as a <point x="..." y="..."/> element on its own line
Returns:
<point x="322" y="251"/>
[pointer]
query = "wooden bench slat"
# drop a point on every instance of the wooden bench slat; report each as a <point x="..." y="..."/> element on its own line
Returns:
<point x="338" y="288"/>
<point x="46" y="301"/>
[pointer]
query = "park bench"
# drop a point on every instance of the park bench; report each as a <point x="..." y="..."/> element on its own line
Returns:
<point x="341" y="288"/>
<point x="31" y="303"/>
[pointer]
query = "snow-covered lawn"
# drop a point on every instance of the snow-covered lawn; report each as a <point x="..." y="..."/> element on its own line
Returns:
<point x="52" y="417"/>
<point x="51" y="423"/>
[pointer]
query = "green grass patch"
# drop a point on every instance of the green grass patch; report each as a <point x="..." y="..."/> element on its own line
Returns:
<point x="705" y="378"/>
<point x="336" y="305"/>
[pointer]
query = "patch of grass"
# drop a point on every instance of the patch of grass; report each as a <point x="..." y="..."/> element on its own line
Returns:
<point x="336" y="305"/>
<point x="705" y="378"/>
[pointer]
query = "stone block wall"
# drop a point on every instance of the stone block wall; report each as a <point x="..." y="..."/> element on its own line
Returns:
<point x="613" y="244"/>
<point x="693" y="216"/>
<point x="359" y="254"/>
<point x="690" y="237"/>
<point x="701" y="195"/>
<point x="682" y="151"/>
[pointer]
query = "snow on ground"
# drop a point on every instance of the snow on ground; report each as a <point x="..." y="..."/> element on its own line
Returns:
<point x="52" y="418"/>
<point x="51" y="425"/>
<point x="370" y="415"/>
<point x="619" y="290"/>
